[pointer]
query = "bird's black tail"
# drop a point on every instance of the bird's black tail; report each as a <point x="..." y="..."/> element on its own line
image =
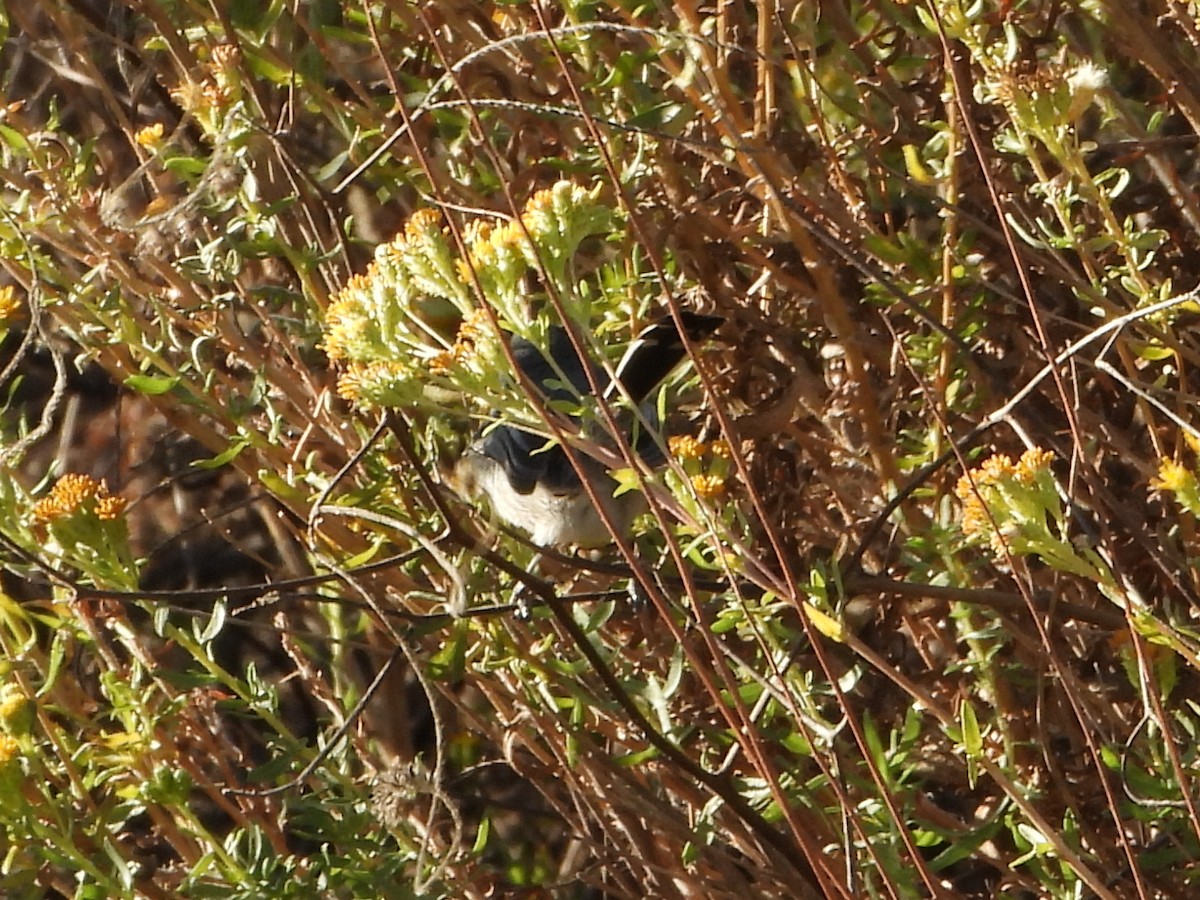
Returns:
<point x="657" y="350"/>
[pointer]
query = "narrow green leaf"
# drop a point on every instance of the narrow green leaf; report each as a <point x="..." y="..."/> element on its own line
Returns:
<point x="152" y="385"/>
<point x="224" y="457"/>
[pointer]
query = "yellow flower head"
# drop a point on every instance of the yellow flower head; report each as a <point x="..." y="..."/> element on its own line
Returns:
<point x="420" y="257"/>
<point x="10" y="749"/>
<point x="708" y="486"/>
<point x="496" y="253"/>
<point x="15" y="709"/>
<point x="110" y="508"/>
<point x="1180" y="482"/>
<point x="684" y="446"/>
<point x="373" y="383"/>
<point x="444" y="362"/>
<point x="150" y="136"/>
<point x="552" y="203"/>
<point x="423" y="224"/>
<point x="475" y="327"/>
<point x="10" y="306"/>
<point x="1172" y="476"/>
<point x="347" y="322"/>
<point x="1033" y="464"/>
<point x="349" y="383"/>
<point x="1009" y="505"/>
<point x="67" y="497"/>
<point x="75" y="493"/>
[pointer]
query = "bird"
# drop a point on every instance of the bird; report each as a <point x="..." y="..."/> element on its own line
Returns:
<point x="534" y="486"/>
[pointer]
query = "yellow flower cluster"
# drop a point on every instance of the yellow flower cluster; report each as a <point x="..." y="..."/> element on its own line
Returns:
<point x="708" y="485"/>
<point x="390" y="326"/>
<point x="422" y="233"/>
<point x="10" y="306"/>
<point x="74" y="493"/>
<point x="493" y="248"/>
<point x="1172" y="476"/>
<point x="422" y="256"/>
<point x="1017" y="510"/>
<point x="10" y="749"/>
<point x="12" y="703"/>
<point x="1178" y="480"/>
<point x="470" y="333"/>
<point x="150" y="136"/>
<point x="15" y="709"/>
<point x="360" y="381"/>
<point x="109" y="508"/>
<point x="345" y="325"/>
<point x="684" y="446"/>
<point x="423" y="224"/>
<point x="997" y="475"/>
<point x="1010" y="506"/>
<point x="382" y="323"/>
<point x="552" y="208"/>
<point x="708" y="481"/>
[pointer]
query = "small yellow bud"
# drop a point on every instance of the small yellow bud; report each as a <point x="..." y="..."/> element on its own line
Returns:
<point x="150" y="136"/>
<point x="10" y="749"/>
<point x="684" y="446"/>
<point x="708" y="486"/>
<point x="10" y="306"/>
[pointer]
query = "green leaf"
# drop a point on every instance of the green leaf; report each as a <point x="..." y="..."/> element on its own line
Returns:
<point x="364" y="557"/>
<point x="449" y="663"/>
<point x="972" y="739"/>
<point x="279" y="486"/>
<point x="963" y="845"/>
<point x="875" y="746"/>
<point x="15" y="139"/>
<point x="224" y="457"/>
<point x="1166" y="667"/>
<point x="259" y="64"/>
<point x="633" y="760"/>
<point x="58" y="655"/>
<point x="152" y="385"/>
<point x="215" y="623"/>
<point x="481" y="836"/>
<point x="797" y="743"/>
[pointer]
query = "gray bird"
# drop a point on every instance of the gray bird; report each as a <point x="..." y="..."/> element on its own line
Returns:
<point x="535" y="487"/>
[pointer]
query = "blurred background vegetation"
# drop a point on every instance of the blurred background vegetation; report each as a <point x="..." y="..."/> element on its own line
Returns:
<point x="917" y="593"/>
